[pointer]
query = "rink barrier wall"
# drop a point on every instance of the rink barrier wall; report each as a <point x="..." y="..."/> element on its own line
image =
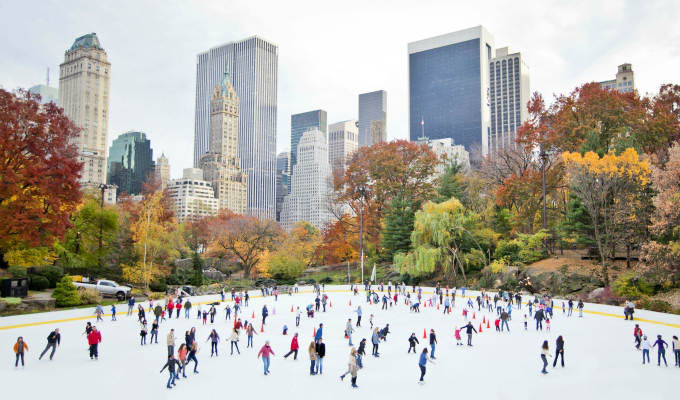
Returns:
<point x="82" y="318"/>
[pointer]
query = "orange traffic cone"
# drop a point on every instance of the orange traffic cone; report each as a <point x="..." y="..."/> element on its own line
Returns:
<point x="314" y="334"/>
<point x="473" y="315"/>
<point x="487" y="325"/>
<point x="483" y="319"/>
<point x="262" y="328"/>
<point x="291" y="308"/>
<point x="253" y="315"/>
<point x="424" y="334"/>
<point x="330" y="304"/>
<point x="369" y="302"/>
<point x="480" y="328"/>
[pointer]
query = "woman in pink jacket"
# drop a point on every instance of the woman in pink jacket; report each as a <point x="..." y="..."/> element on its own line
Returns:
<point x="265" y="352"/>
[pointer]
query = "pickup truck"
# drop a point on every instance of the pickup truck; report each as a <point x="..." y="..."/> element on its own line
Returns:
<point x="107" y="288"/>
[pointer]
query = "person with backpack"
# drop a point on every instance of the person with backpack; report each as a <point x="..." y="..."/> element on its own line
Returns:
<point x="294" y="346"/>
<point x="19" y="348"/>
<point x="412" y="341"/>
<point x="559" y="351"/>
<point x="53" y="340"/>
<point x="433" y="343"/>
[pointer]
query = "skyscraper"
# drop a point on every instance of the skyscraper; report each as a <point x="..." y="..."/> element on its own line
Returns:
<point x="221" y="165"/>
<point x="84" y="81"/>
<point x="47" y="93"/>
<point x="303" y="122"/>
<point x="253" y="67"/>
<point x="282" y="180"/>
<point x="162" y="171"/>
<point x="130" y="162"/>
<point x="372" y="118"/>
<point x="343" y="140"/>
<point x="310" y="184"/>
<point x="449" y="88"/>
<point x="508" y="96"/>
<point x="625" y="79"/>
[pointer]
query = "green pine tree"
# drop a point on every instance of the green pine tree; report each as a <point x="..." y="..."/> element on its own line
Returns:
<point x="197" y="278"/>
<point x="577" y="228"/>
<point x="398" y="227"/>
<point x="66" y="293"/>
<point x="450" y="183"/>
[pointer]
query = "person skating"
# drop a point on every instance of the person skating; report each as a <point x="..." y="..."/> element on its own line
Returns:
<point x="93" y="339"/>
<point x="53" y="340"/>
<point x="580" y="308"/>
<point x="376" y="342"/>
<point x="349" y="329"/>
<point x="504" y="321"/>
<point x="361" y="352"/>
<point x="170" y="341"/>
<point x="661" y="351"/>
<point x="297" y="316"/>
<point x="113" y="312"/>
<point x="192" y="356"/>
<point x="265" y="313"/>
<point x="559" y="351"/>
<point x="266" y="351"/>
<point x="422" y="364"/>
<point x="545" y="353"/>
<point x="320" y="354"/>
<point x="294" y="346"/>
<point x="412" y="341"/>
<point x="646" y="346"/>
<point x="182" y="358"/>
<point x="19" y="348"/>
<point x="214" y="339"/>
<point x="433" y="343"/>
<point x="312" y="357"/>
<point x="142" y="333"/>
<point x="250" y="331"/>
<point x="233" y="339"/>
<point x="171" y="365"/>
<point x="352" y="367"/>
<point x="154" y="332"/>
<point x="359" y="313"/>
<point x="468" y="330"/>
<point x="637" y="334"/>
<point x="538" y="316"/>
<point x="319" y="333"/>
<point x="676" y="350"/>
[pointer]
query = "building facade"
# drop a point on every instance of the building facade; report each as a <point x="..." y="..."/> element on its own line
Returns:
<point x="449" y="88"/>
<point x="447" y="153"/>
<point x="310" y="184"/>
<point x="372" y="117"/>
<point x="192" y="197"/>
<point x="343" y="140"/>
<point x="253" y="66"/>
<point x="162" y="171"/>
<point x="301" y="123"/>
<point x="221" y="165"/>
<point x="625" y="79"/>
<point x="282" y="180"/>
<point x="47" y="94"/>
<point x="84" y="85"/>
<point x="508" y="97"/>
<point x="130" y="162"/>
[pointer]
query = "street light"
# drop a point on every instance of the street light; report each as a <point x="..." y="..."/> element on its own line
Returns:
<point x="362" y="195"/>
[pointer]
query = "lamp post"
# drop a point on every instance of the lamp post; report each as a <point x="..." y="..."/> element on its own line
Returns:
<point x="362" y="193"/>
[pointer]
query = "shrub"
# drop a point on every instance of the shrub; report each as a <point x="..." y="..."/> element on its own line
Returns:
<point x="157" y="295"/>
<point x="38" y="282"/>
<point x="327" y="279"/>
<point x="498" y="266"/>
<point x="17" y="271"/>
<point x="53" y="274"/>
<point x="89" y="296"/>
<point x="654" y="305"/>
<point x="285" y="267"/>
<point x="158" y="286"/>
<point x="630" y="286"/>
<point x="508" y="250"/>
<point x="66" y="293"/>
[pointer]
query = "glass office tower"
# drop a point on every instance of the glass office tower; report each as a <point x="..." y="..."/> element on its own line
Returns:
<point x="303" y="122"/>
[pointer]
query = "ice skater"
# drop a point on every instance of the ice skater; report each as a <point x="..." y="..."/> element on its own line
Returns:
<point x="422" y="364"/>
<point x="214" y="339"/>
<point x="19" y="348"/>
<point x="93" y="339"/>
<point x="433" y="343"/>
<point x="468" y="330"/>
<point x="233" y="338"/>
<point x="170" y="365"/>
<point x="265" y="352"/>
<point x="676" y="350"/>
<point x="559" y="351"/>
<point x="53" y="340"/>
<point x="352" y="367"/>
<point x="294" y="346"/>
<point x="412" y="341"/>
<point x="250" y="331"/>
<point x="349" y="329"/>
<point x="637" y="334"/>
<point x="646" y="346"/>
<point x="312" y="358"/>
<point x="661" y="351"/>
<point x="376" y="343"/>
<point x="545" y="353"/>
<point x="320" y="355"/>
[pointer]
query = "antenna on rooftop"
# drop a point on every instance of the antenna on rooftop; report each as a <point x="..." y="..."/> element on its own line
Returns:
<point x="48" y="76"/>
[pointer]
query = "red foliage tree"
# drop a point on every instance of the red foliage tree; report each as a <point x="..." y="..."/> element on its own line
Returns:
<point x="39" y="171"/>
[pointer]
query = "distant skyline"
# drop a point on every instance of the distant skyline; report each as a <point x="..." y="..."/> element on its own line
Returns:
<point x="153" y="51"/>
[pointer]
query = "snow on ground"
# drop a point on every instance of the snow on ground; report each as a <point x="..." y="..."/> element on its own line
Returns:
<point x="601" y="361"/>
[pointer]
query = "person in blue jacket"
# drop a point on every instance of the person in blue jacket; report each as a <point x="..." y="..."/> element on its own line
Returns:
<point x="265" y="312"/>
<point x="422" y="362"/>
<point x="661" y="350"/>
<point x="319" y="333"/>
<point x="376" y="342"/>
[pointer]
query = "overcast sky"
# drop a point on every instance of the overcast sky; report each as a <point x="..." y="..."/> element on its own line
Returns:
<point x="329" y="51"/>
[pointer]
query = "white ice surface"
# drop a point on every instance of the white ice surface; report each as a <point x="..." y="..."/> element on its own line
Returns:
<point x="601" y="362"/>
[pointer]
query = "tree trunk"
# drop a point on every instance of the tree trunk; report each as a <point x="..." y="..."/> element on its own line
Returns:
<point x="627" y="255"/>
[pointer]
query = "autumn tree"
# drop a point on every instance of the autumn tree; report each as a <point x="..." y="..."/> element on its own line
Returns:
<point x="609" y="187"/>
<point x="244" y="238"/>
<point x="39" y="172"/>
<point x="295" y="252"/>
<point x="339" y="243"/>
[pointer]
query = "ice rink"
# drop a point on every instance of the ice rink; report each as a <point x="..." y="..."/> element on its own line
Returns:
<point x="601" y="361"/>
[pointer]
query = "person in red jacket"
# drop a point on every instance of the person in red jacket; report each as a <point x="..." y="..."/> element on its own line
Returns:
<point x="93" y="339"/>
<point x="294" y="346"/>
<point x="637" y="333"/>
<point x="265" y="352"/>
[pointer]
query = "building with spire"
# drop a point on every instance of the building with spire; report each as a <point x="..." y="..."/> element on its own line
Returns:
<point x="311" y="184"/>
<point x="221" y="165"/>
<point x="84" y="84"/>
<point x="162" y="171"/>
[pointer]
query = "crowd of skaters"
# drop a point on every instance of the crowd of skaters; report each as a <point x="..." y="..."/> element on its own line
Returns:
<point x="541" y="309"/>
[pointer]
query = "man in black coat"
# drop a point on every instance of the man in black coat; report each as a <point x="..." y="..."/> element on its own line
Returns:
<point x="53" y="340"/>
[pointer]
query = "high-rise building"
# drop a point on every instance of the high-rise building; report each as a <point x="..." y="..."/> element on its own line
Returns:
<point x="221" y="165"/>
<point x="303" y="122"/>
<point x="84" y="83"/>
<point x="162" y="171"/>
<point x="192" y="197"/>
<point x="343" y="140"/>
<point x="447" y="153"/>
<point x="625" y="79"/>
<point x="130" y="162"/>
<point x="372" y="118"/>
<point x="508" y="97"/>
<point x="310" y="184"/>
<point x="282" y="180"/>
<point x="449" y="88"/>
<point x="253" y="66"/>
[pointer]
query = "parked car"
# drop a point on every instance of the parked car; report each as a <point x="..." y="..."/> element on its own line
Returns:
<point x="107" y="288"/>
